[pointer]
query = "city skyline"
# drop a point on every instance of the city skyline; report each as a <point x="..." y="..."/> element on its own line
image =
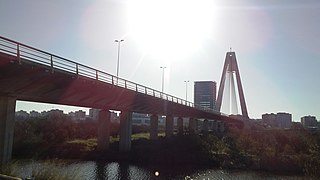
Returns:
<point x="274" y="42"/>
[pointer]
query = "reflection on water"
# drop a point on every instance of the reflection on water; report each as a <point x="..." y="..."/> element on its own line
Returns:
<point x="120" y="171"/>
<point x="89" y="170"/>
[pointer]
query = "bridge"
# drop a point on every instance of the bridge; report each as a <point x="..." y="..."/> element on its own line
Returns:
<point x="30" y="74"/>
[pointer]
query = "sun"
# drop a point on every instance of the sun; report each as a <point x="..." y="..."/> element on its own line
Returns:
<point x="170" y="29"/>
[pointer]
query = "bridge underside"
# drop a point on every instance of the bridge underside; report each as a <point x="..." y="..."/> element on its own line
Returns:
<point x="33" y="82"/>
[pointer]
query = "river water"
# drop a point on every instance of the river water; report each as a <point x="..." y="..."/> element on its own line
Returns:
<point x="91" y="170"/>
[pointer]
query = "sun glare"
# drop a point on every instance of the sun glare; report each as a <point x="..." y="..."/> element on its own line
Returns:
<point x="170" y="29"/>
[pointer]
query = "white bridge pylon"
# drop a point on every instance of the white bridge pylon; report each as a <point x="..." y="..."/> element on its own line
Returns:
<point x="231" y="69"/>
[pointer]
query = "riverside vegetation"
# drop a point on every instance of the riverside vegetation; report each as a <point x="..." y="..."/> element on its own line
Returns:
<point x="283" y="151"/>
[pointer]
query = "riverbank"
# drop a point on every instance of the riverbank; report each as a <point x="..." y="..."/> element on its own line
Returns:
<point x="86" y="170"/>
<point x="178" y="150"/>
<point x="280" y="151"/>
<point x="184" y="152"/>
<point x="274" y="150"/>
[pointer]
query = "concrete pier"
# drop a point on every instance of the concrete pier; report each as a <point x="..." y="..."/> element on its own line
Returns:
<point x="154" y="127"/>
<point x="221" y="127"/>
<point x="103" y="130"/>
<point x="192" y="125"/>
<point x="125" y="131"/>
<point x="169" y="126"/>
<point x="205" y="126"/>
<point x="180" y="125"/>
<point x="7" y="117"/>
<point x="196" y="126"/>
<point x="215" y="126"/>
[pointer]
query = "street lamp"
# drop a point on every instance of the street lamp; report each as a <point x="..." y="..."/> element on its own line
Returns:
<point x="118" y="41"/>
<point x="162" y="78"/>
<point x="187" y="89"/>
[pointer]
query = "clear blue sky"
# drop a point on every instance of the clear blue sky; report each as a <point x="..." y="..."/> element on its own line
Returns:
<point x="276" y="42"/>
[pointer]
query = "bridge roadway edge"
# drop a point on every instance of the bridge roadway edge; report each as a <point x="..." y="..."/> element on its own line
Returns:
<point x="30" y="81"/>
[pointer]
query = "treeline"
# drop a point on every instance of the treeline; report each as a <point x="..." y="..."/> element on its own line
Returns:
<point x="282" y="151"/>
<point x="36" y="136"/>
<point x="294" y="151"/>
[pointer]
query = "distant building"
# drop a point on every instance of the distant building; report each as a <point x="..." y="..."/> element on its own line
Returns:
<point x="269" y="120"/>
<point x="280" y="120"/>
<point x="309" y="121"/>
<point x="205" y="93"/>
<point x="114" y="117"/>
<point x="140" y="119"/>
<point x="72" y="115"/>
<point x="44" y="113"/>
<point x="94" y="114"/>
<point x="55" y="112"/>
<point x="144" y="119"/>
<point x="80" y="115"/>
<point x="22" y="115"/>
<point x="284" y="120"/>
<point x="34" y="114"/>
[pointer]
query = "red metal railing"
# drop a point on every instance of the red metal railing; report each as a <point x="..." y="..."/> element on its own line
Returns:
<point x="54" y="62"/>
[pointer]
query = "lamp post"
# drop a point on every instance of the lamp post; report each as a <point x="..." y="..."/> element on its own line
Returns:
<point x="187" y="89"/>
<point x="118" y="41"/>
<point x="162" y="79"/>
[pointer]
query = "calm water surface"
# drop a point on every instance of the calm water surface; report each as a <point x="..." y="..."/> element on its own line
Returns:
<point x="113" y="170"/>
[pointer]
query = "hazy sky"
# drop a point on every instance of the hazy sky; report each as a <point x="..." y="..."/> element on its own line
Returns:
<point x="277" y="43"/>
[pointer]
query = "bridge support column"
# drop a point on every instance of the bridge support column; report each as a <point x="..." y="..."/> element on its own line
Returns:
<point x="180" y="126"/>
<point x="221" y="127"/>
<point x="7" y="117"/>
<point x="103" y="130"/>
<point x="215" y="126"/>
<point x="192" y="124"/>
<point x="196" y="126"/>
<point x="125" y="131"/>
<point x="169" y="126"/>
<point x="154" y="127"/>
<point x="205" y="126"/>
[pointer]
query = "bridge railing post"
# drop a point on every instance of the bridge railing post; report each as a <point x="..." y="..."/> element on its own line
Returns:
<point x="51" y="63"/>
<point x="18" y="52"/>
<point x="97" y="75"/>
<point x="77" y="69"/>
